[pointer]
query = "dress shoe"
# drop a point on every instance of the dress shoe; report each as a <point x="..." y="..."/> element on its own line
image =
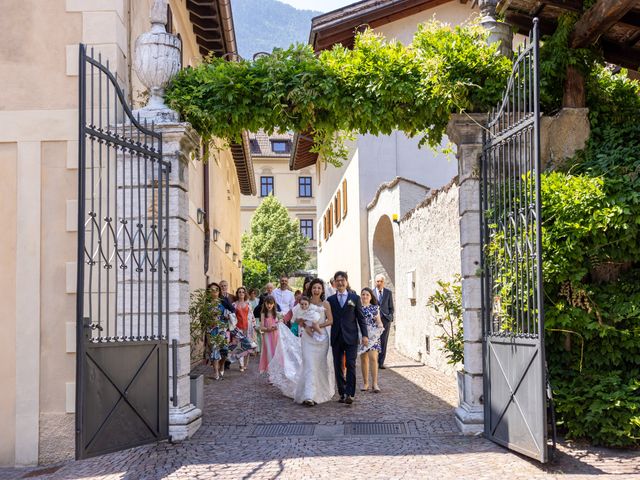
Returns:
<point x="342" y="399"/>
<point x="348" y="400"/>
<point x="382" y="367"/>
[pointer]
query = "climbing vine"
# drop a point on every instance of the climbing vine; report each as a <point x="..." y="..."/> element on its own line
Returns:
<point x="377" y="87"/>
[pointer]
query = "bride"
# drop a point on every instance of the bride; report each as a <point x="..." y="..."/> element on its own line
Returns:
<point x="302" y="368"/>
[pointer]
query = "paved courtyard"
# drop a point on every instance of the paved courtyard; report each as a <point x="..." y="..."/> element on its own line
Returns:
<point x="238" y="439"/>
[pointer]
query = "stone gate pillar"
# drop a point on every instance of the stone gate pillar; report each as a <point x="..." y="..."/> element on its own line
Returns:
<point x="179" y="140"/>
<point x="157" y="61"/>
<point x="466" y="132"/>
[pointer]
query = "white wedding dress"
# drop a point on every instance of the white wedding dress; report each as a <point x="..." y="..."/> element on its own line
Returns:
<point x="302" y="368"/>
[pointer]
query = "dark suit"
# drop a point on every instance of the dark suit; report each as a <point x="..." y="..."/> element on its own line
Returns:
<point x="344" y="339"/>
<point x="227" y="302"/>
<point x="386" y="315"/>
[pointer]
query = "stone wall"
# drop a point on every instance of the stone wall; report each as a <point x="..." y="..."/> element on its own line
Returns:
<point x="429" y="245"/>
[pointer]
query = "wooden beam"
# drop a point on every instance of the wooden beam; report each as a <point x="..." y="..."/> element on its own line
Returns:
<point x="524" y="24"/>
<point x="574" y="92"/>
<point x="632" y="18"/>
<point x="598" y="20"/>
<point x="570" y="5"/>
<point x="620" y="55"/>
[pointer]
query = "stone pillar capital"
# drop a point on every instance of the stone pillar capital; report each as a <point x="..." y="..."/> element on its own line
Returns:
<point x="179" y="139"/>
<point x="467" y="128"/>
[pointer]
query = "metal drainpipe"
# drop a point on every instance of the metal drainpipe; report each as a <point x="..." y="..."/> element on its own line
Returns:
<point x="205" y="202"/>
<point x="224" y="7"/>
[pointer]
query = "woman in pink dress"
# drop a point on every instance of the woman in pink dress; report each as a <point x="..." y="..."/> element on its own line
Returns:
<point x="269" y="329"/>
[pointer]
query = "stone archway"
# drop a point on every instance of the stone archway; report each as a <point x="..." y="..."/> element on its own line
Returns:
<point x="383" y="251"/>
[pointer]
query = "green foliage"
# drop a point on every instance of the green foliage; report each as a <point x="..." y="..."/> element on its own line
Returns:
<point x="447" y="304"/>
<point x="584" y="218"/>
<point x="255" y="274"/>
<point x="205" y="314"/>
<point x="591" y="216"/>
<point x="274" y="239"/>
<point x="601" y="405"/>
<point x="555" y="57"/>
<point x="600" y="401"/>
<point x="375" y="88"/>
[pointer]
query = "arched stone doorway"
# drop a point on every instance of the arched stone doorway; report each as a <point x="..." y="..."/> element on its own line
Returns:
<point x="383" y="250"/>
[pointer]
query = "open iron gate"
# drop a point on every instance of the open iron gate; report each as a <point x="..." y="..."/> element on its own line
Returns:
<point x="122" y="283"/>
<point x="513" y="315"/>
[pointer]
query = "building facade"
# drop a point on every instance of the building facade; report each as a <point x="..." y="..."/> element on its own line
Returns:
<point x="371" y="210"/>
<point x="39" y="200"/>
<point x="296" y="190"/>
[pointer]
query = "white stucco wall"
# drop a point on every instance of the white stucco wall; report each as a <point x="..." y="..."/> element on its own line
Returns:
<point x="377" y="160"/>
<point x="396" y="197"/>
<point x="428" y="242"/>
<point x="452" y="12"/>
<point x="343" y="249"/>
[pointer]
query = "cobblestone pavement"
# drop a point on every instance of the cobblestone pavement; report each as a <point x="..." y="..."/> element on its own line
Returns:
<point x="426" y="444"/>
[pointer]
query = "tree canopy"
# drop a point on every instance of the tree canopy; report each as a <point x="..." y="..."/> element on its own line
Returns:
<point x="376" y="87"/>
<point x="275" y="239"/>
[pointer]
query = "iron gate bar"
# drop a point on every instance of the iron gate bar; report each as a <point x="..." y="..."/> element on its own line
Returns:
<point x="122" y="279"/>
<point x="511" y="253"/>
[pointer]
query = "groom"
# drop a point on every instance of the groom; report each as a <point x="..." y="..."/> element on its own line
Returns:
<point x="347" y="318"/>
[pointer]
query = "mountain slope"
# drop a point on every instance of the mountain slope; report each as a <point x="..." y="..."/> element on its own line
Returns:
<point x="261" y="25"/>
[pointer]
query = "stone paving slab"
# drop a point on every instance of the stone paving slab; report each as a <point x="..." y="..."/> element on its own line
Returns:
<point x="421" y="399"/>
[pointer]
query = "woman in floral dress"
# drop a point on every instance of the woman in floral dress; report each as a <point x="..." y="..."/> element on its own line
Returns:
<point x="219" y="333"/>
<point x="369" y="354"/>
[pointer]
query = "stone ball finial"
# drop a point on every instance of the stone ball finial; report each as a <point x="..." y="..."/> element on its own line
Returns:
<point x="156" y="62"/>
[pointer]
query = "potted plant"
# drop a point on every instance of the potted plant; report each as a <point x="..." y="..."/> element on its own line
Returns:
<point x="447" y="304"/>
<point x="205" y="314"/>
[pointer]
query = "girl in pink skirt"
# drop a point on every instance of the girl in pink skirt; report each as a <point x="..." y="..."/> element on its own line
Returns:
<point x="269" y="329"/>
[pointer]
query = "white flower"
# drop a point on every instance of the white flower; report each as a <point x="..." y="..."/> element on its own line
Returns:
<point x="351" y="304"/>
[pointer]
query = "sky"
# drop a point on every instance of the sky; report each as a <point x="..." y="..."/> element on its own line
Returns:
<point x="318" y="5"/>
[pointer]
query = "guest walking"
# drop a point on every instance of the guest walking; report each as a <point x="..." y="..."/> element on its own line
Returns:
<point x="226" y="298"/>
<point x="268" y="291"/>
<point x="219" y="334"/>
<point x="385" y="301"/>
<point x="269" y="329"/>
<point x="369" y="354"/>
<point x="254" y="301"/>
<point x="253" y="298"/>
<point x="245" y="326"/>
<point x="284" y="296"/>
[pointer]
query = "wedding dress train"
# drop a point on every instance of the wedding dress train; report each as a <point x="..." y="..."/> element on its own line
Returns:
<point x="302" y="368"/>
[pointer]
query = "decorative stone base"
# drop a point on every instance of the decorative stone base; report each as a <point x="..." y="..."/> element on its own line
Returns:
<point x="156" y="115"/>
<point x="184" y="422"/>
<point x="470" y="420"/>
<point x="57" y="438"/>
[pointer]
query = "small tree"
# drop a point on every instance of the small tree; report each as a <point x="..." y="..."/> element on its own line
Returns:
<point x="255" y="274"/>
<point x="274" y="239"/>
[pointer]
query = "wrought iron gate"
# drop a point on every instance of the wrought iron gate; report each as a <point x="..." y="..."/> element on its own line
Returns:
<point x="122" y="283"/>
<point x="513" y="316"/>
